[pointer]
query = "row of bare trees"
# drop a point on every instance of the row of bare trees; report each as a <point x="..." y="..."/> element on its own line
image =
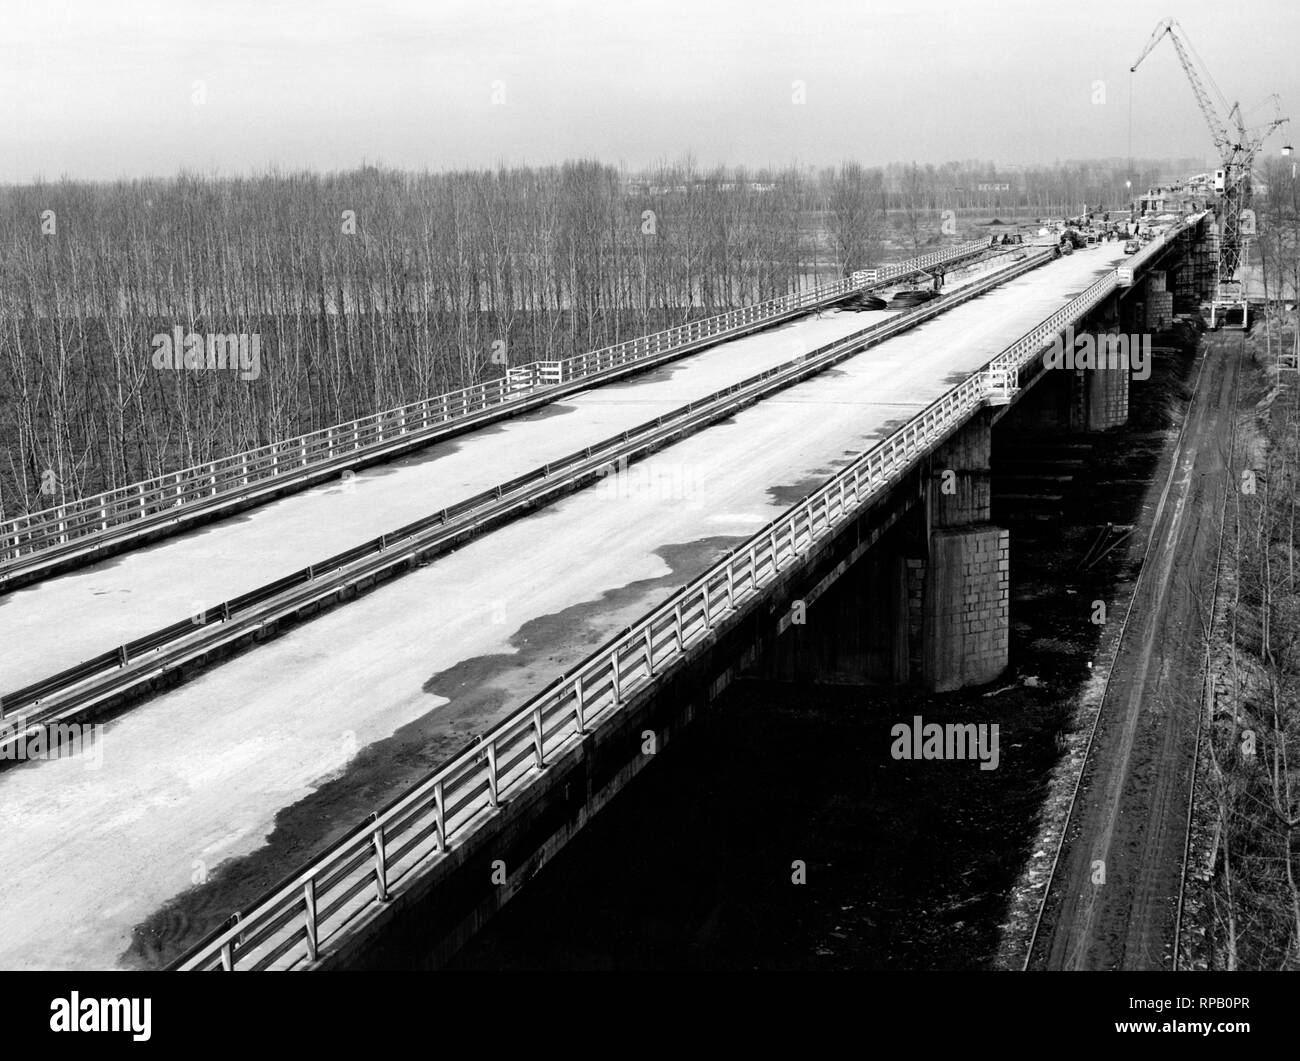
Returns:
<point x="372" y="288"/>
<point x="366" y="290"/>
<point x="1276" y="256"/>
<point x="1253" y="776"/>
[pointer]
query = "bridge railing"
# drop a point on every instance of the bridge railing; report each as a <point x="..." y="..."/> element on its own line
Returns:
<point x="40" y="530"/>
<point x="357" y="873"/>
<point x="343" y="442"/>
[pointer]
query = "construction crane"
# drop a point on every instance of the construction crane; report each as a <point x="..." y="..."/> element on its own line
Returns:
<point x="1237" y="147"/>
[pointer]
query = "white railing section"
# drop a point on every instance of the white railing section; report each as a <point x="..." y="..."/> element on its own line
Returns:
<point x="343" y="442"/>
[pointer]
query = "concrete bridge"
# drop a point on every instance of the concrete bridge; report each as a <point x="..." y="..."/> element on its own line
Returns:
<point x="804" y="492"/>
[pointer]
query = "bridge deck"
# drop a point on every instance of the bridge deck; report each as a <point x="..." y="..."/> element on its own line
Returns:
<point x="283" y="748"/>
<point x="58" y="623"/>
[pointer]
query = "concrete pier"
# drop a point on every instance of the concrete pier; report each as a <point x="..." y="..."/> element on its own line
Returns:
<point x="965" y="621"/>
<point x="964" y="618"/>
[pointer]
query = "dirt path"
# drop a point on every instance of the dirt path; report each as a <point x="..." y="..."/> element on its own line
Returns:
<point x="1113" y="900"/>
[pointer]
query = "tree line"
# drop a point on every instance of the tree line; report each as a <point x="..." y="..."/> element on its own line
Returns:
<point x="1251" y="775"/>
<point x="373" y="288"/>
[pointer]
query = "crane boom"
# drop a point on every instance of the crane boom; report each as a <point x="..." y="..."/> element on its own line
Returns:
<point x="1171" y="28"/>
<point x="1237" y="150"/>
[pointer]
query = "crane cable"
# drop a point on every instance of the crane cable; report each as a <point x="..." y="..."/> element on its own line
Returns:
<point x="1129" y="188"/>
<point x="1205" y="71"/>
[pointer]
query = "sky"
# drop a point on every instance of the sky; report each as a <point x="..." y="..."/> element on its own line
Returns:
<point x="100" y="89"/>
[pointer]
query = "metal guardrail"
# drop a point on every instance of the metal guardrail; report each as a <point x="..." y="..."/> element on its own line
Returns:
<point x="296" y="457"/>
<point x="112" y="673"/>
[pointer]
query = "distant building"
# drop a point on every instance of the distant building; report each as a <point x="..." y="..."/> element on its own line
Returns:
<point x="645" y="187"/>
<point x="1190" y="196"/>
<point x="1154" y="201"/>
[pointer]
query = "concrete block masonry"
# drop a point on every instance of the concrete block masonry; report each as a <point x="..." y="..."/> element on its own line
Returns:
<point x="1159" y="310"/>
<point x="1104" y="394"/>
<point x="964" y="632"/>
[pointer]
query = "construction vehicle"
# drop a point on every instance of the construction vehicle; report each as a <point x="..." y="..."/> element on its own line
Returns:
<point x="1237" y="150"/>
<point x="1074" y="238"/>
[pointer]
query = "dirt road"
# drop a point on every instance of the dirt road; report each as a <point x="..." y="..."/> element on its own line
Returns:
<point x="1113" y="901"/>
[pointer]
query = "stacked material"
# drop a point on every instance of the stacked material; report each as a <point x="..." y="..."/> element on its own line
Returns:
<point x="912" y="298"/>
<point x="862" y="301"/>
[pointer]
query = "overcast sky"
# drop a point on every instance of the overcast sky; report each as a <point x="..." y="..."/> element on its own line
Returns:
<point x="106" y="88"/>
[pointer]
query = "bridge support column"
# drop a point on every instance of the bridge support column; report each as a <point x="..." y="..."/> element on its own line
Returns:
<point x="964" y="621"/>
<point x="1204" y="269"/>
<point x="959" y="484"/>
<point x="1159" y="302"/>
<point x="1103" y="397"/>
<point x="1100" y="390"/>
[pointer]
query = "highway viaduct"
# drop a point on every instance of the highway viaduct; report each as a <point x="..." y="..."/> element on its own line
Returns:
<point x="887" y="568"/>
